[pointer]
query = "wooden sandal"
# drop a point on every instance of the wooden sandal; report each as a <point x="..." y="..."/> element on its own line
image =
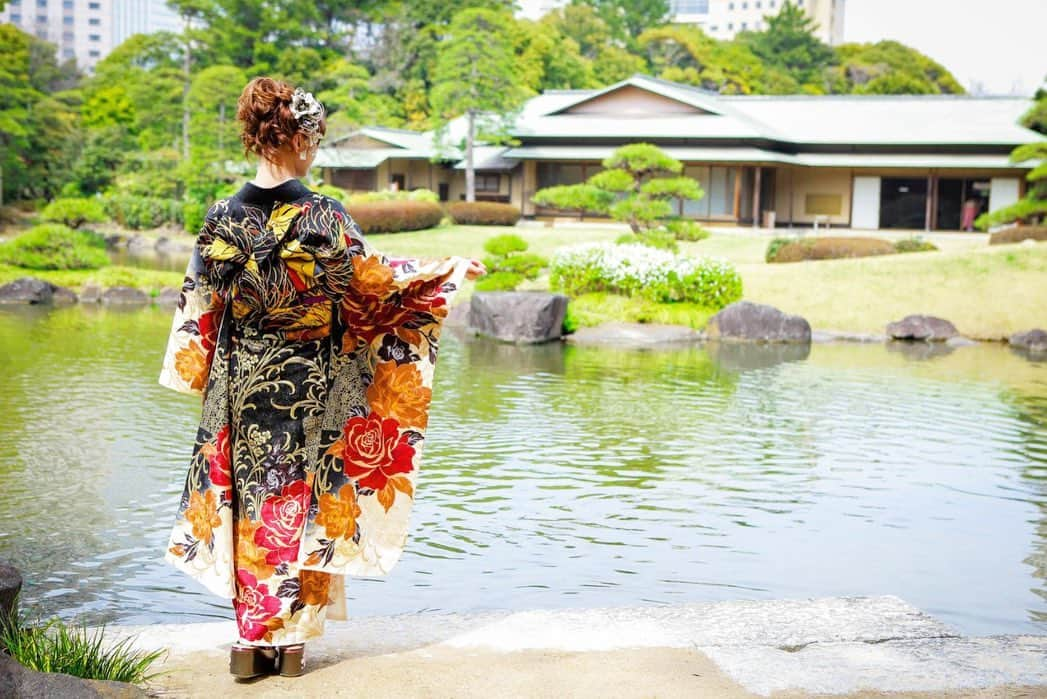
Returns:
<point x="248" y="662"/>
<point x="291" y="660"/>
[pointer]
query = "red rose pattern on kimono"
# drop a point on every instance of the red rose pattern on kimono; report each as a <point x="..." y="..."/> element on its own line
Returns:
<point x="314" y="355"/>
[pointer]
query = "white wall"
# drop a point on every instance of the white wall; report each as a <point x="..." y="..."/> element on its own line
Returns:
<point x="1003" y="191"/>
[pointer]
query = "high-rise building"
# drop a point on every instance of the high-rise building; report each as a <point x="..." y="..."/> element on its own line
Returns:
<point x="87" y="30"/>
<point x="142" y="17"/>
<point x="722" y="19"/>
<point x="79" y="29"/>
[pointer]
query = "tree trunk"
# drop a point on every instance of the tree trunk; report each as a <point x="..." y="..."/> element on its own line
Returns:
<point x="470" y="174"/>
<point x="185" y="93"/>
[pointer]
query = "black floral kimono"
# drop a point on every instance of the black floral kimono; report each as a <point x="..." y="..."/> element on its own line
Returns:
<point x="314" y="356"/>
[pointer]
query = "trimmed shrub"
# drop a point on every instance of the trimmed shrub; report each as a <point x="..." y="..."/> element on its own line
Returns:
<point x="74" y="211"/>
<point x="638" y="270"/>
<point x="828" y="248"/>
<point x="137" y="212"/>
<point x="654" y="238"/>
<point x="686" y="229"/>
<point x="775" y="245"/>
<point x="499" y="281"/>
<point x="483" y="213"/>
<point x="526" y="264"/>
<point x="505" y="244"/>
<point x="54" y="246"/>
<point x="399" y="195"/>
<point x="1016" y="234"/>
<point x="914" y="244"/>
<point x="396" y="216"/>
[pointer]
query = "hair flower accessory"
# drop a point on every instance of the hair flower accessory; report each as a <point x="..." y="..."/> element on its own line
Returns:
<point x="308" y="112"/>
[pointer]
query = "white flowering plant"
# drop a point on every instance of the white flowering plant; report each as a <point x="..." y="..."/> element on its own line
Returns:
<point x="640" y="270"/>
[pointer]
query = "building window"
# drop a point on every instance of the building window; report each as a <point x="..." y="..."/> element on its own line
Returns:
<point x="42" y="33"/>
<point x="94" y="21"/>
<point x="68" y="36"/>
<point x="730" y="6"/>
<point x="16" y="3"/>
<point x="68" y="53"/>
<point x="771" y="4"/>
<point x="94" y="5"/>
<point x="67" y="4"/>
<point x="757" y="4"/>
<point x="41" y="19"/>
<point x="745" y="6"/>
<point x="713" y="28"/>
<point x="16" y="19"/>
<point x="94" y="53"/>
<point x="488" y="183"/>
<point x="95" y="37"/>
<point x="730" y="26"/>
<point x="41" y="3"/>
<point x="67" y="20"/>
<point x="745" y="25"/>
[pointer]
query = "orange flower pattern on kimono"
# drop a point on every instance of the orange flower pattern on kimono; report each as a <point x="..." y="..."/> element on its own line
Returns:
<point x="314" y="355"/>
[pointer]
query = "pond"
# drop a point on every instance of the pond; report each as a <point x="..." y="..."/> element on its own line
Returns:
<point x="561" y="476"/>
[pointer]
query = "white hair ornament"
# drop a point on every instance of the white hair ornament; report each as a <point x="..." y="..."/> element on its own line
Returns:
<point x="308" y="112"/>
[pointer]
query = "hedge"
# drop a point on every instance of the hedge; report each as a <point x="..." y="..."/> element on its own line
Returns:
<point x="55" y="246"/>
<point x="74" y="211"/>
<point x="827" y="248"/>
<point x="1016" y="234"/>
<point x="396" y="216"/>
<point x="132" y="211"/>
<point x="483" y="213"/>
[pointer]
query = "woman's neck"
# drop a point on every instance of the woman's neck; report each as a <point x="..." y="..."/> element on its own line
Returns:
<point x="271" y="174"/>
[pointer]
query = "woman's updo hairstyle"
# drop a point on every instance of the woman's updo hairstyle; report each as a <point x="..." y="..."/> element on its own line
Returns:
<point x="267" y="122"/>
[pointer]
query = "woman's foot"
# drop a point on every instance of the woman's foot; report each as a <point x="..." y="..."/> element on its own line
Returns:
<point x="291" y="660"/>
<point x="247" y="662"/>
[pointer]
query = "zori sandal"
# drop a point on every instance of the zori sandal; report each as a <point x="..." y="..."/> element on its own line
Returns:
<point x="248" y="662"/>
<point x="291" y="660"/>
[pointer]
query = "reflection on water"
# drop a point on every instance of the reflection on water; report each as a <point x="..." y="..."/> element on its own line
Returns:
<point x="560" y="476"/>
<point x="149" y="258"/>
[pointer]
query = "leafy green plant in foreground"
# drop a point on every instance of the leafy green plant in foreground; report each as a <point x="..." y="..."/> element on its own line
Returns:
<point x="54" y="646"/>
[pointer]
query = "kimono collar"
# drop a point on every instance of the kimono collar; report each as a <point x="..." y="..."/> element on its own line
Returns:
<point x="289" y="190"/>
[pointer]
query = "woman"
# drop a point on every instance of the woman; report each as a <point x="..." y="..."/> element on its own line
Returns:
<point x="314" y="356"/>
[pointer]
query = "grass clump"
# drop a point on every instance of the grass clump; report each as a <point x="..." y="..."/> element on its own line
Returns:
<point x="914" y="244"/>
<point x="54" y="646"/>
<point x="55" y="246"/>
<point x="826" y="248"/>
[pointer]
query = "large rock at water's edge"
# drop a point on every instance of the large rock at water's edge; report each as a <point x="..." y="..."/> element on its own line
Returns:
<point x="168" y="296"/>
<point x="921" y="327"/>
<point x="19" y="682"/>
<point x="518" y="316"/>
<point x="1034" y="341"/>
<point x="745" y="321"/>
<point x="10" y="584"/>
<point x="27" y="290"/>
<point x="124" y="294"/>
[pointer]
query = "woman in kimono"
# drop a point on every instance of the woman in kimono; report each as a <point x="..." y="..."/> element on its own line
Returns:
<point x="314" y="355"/>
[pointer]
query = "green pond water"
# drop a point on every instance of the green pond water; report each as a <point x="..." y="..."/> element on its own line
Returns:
<point x="560" y="476"/>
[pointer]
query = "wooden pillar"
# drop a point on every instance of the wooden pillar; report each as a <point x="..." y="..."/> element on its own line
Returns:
<point x="792" y="173"/>
<point x="929" y="208"/>
<point x="933" y="196"/>
<point x="737" y="193"/>
<point x="756" y="197"/>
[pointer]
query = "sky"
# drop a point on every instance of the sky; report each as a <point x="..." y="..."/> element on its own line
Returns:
<point x="998" y="45"/>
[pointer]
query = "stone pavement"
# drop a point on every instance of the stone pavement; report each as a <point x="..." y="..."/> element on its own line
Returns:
<point x="852" y="646"/>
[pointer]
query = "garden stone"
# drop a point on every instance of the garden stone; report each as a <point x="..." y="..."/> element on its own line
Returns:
<point x="920" y="351"/>
<point x="20" y="682"/>
<point x="10" y="584"/>
<point x="124" y="294"/>
<point x="620" y="334"/>
<point x="168" y="296"/>
<point x="27" y="290"/>
<point x="90" y="293"/>
<point x="138" y="242"/>
<point x="745" y="321"/>
<point x="60" y="294"/>
<point x="518" y="316"/>
<point x="1034" y="340"/>
<point x="921" y="327"/>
